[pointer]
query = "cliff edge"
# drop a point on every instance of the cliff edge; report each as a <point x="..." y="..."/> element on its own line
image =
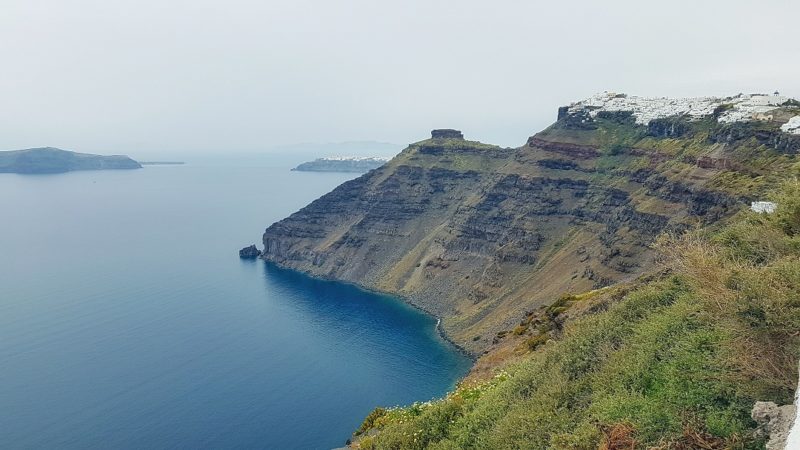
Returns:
<point x="480" y="235"/>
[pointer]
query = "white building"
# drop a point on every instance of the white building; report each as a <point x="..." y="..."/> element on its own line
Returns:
<point x="763" y="207"/>
<point x="742" y="107"/>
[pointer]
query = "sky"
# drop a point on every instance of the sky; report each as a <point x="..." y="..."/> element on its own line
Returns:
<point x="150" y="76"/>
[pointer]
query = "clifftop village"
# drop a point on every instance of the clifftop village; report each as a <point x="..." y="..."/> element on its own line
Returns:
<point x="743" y="107"/>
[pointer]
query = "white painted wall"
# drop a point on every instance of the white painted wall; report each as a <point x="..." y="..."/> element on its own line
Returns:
<point x="793" y="441"/>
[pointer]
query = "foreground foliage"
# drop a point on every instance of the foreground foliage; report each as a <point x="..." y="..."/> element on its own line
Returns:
<point x="677" y="363"/>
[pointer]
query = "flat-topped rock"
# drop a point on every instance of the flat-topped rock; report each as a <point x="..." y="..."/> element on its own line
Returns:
<point x="446" y="133"/>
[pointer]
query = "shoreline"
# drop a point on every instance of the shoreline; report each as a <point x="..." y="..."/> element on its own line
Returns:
<point x="405" y="300"/>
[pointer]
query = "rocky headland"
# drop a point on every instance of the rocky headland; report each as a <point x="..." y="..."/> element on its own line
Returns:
<point x="618" y="264"/>
<point x="479" y="235"/>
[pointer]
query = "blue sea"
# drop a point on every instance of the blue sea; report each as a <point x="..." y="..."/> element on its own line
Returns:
<point x="127" y="319"/>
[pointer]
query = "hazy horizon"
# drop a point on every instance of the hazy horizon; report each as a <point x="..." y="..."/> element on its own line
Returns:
<point x="180" y="77"/>
<point x="299" y="152"/>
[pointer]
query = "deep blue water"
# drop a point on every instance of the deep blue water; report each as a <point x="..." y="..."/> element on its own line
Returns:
<point x="127" y="319"/>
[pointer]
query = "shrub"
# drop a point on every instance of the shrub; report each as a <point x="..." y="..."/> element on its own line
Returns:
<point x="520" y="330"/>
<point x="369" y="422"/>
<point x="676" y="363"/>
<point x="536" y="341"/>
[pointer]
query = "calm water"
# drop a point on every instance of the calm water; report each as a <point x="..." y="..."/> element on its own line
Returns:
<point x="127" y="319"/>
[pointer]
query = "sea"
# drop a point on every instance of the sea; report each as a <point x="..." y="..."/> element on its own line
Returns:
<point x="127" y="319"/>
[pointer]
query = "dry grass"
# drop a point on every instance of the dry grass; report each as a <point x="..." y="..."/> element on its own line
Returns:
<point x="618" y="437"/>
<point x="675" y="364"/>
<point x="744" y="277"/>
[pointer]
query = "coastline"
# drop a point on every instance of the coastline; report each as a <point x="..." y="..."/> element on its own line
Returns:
<point x="405" y="300"/>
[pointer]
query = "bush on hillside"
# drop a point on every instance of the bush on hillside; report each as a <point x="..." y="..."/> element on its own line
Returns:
<point x="676" y="363"/>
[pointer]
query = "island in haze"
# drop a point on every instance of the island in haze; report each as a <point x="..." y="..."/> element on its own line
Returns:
<point x="356" y="164"/>
<point x="162" y="163"/>
<point x="55" y="160"/>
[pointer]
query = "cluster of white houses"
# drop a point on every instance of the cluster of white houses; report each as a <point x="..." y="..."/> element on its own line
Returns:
<point x="741" y="107"/>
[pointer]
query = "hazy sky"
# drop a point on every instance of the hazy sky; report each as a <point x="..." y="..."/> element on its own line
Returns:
<point x="138" y="76"/>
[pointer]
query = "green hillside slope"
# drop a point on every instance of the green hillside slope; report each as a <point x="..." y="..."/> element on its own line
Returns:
<point x="674" y="362"/>
<point x="480" y="235"/>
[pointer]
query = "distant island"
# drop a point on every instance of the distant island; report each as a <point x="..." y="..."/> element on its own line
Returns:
<point x="357" y="164"/>
<point x="54" y="160"/>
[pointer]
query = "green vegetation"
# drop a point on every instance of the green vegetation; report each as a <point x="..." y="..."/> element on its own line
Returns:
<point x="676" y="363"/>
<point x="455" y="154"/>
<point x="673" y="360"/>
<point x="746" y="165"/>
<point x="614" y="138"/>
<point x="353" y="165"/>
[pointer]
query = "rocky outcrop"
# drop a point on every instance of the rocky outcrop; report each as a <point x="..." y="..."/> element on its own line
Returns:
<point x="446" y="133"/>
<point x="774" y="422"/>
<point x="779" y="424"/>
<point x="576" y="120"/>
<point x="741" y="131"/>
<point x="562" y="112"/>
<point x="478" y="235"/>
<point x="251" y="252"/>
<point x="707" y="162"/>
<point x="574" y="151"/>
<point x="560" y="164"/>
<point x="669" y="127"/>
<point x="619" y="117"/>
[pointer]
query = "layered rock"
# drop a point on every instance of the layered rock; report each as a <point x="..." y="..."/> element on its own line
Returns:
<point x="446" y="133"/>
<point x="479" y="235"/>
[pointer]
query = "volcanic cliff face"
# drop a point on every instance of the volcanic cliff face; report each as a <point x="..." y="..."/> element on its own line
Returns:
<point x="479" y="235"/>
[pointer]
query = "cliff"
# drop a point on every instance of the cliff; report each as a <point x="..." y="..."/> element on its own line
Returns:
<point x="481" y="236"/>
<point x="54" y="160"/>
<point x="696" y="355"/>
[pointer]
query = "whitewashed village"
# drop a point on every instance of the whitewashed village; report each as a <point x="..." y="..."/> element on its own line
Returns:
<point x="743" y="107"/>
